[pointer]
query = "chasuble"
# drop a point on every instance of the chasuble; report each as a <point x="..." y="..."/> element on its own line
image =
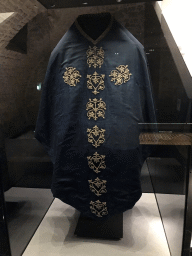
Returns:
<point x="96" y="91"/>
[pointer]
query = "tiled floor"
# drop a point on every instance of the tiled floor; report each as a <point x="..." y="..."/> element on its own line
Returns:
<point x="143" y="233"/>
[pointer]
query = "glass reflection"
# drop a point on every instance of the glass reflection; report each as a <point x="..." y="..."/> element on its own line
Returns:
<point x="27" y="191"/>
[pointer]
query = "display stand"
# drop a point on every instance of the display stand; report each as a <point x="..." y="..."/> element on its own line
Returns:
<point x="111" y="228"/>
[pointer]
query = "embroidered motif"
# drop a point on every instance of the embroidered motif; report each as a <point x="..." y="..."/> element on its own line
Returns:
<point x="95" y="82"/>
<point x="96" y="108"/>
<point x="98" y="208"/>
<point x="120" y="75"/>
<point x="96" y="162"/>
<point x="98" y="187"/>
<point x="95" y="56"/>
<point x="71" y="76"/>
<point x="95" y="132"/>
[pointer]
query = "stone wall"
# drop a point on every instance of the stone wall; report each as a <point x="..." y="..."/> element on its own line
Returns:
<point x="14" y="66"/>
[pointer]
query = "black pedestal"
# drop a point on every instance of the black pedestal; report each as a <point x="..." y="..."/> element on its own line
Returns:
<point x="111" y="228"/>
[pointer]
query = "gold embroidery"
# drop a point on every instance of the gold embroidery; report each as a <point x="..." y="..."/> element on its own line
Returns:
<point x="98" y="208"/>
<point x="71" y="76"/>
<point x="96" y="108"/>
<point x="97" y="80"/>
<point x="98" y="186"/>
<point x="96" y="162"/>
<point x="95" y="132"/>
<point x="95" y="56"/>
<point x="120" y="75"/>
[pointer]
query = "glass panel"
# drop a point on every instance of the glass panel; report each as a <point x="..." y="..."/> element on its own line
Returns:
<point x="27" y="168"/>
<point x="168" y="168"/>
<point x="166" y="142"/>
<point x="168" y="163"/>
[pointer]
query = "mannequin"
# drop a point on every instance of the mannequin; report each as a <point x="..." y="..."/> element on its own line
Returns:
<point x="96" y="91"/>
<point x="94" y="24"/>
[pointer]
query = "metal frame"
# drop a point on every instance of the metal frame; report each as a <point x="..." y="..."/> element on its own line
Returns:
<point x="56" y="4"/>
<point x="5" y="249"/>
<point x="187" y="229"/>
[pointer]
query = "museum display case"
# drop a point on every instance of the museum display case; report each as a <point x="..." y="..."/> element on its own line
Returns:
<point x="32" y="219"/>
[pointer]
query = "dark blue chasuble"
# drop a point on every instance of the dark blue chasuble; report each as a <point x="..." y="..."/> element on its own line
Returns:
<point x="94" y="95"/>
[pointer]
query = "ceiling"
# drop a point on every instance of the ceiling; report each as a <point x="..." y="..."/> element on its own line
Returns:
<point x="54" y="4"/>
